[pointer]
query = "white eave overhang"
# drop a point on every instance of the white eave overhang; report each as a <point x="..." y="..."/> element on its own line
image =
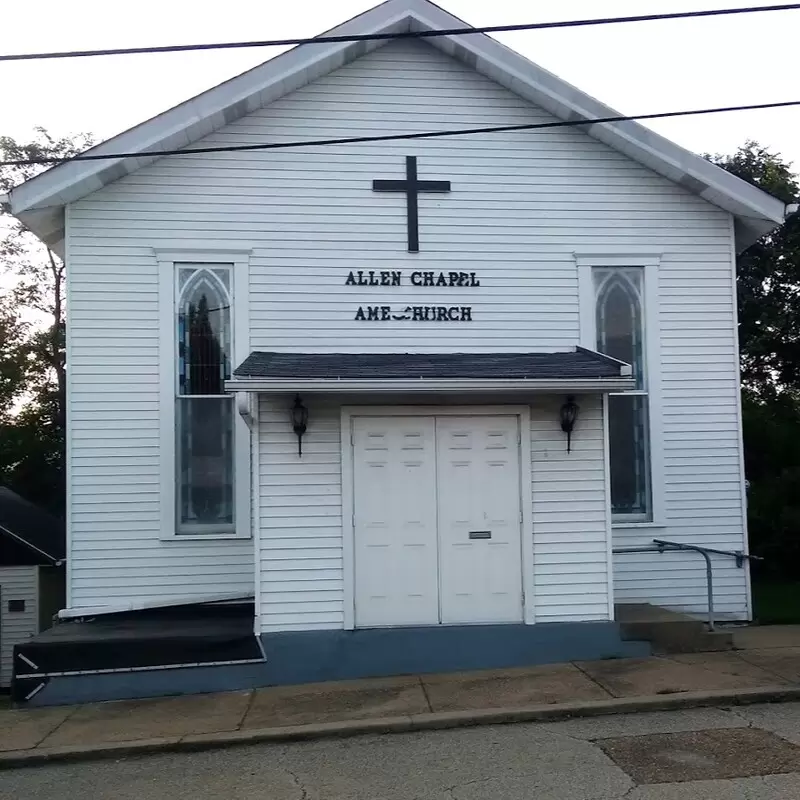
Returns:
<point x="426" y="385"/>
<point x="40" y="202"/>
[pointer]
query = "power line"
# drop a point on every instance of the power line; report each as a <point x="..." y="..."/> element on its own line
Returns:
<point x="367" y="37"/>
<point x="392" y="137"/>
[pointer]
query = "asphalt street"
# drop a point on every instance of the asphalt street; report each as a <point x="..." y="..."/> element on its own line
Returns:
<point x="748" y="753"/>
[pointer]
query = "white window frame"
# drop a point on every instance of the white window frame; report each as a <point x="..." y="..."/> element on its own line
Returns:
<point x="649" y="262"/>
<point x="169" y="262"/>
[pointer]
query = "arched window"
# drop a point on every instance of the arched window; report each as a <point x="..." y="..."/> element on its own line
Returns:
<point x="621" y="334"/>
<point x="204" y="413"/>
<point x="619" y="318"/>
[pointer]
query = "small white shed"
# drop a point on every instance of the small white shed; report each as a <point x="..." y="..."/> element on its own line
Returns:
<point x="32" y="556"/>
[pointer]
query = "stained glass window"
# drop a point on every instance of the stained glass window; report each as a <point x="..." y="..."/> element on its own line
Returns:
<point x="621" y="334"/>
<point x="204" y="413"/>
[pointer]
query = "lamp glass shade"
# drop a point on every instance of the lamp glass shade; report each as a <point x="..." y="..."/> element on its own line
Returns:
<point x="299" y="415"/>
<point x="569" y="413"/>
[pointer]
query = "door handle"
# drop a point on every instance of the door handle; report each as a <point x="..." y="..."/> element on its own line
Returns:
<point x="480" y="534"/>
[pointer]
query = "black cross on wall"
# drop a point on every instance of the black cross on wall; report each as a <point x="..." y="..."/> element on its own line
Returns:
<point x="412" y="186"/>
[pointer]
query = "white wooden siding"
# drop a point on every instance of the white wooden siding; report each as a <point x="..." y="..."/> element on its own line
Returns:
<point x="300" y="561"/>
<point x="301" y="551"/>
<point x="116" y="553"/>
<point x="570" y="515"/>
<point x="702" y="460"/>
<point x="521" y="205"/>
<point x="16" y="583"/>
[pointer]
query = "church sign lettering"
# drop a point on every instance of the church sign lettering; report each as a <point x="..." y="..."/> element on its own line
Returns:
<point x="411" y="187"/>
<point x="415" y="314"/>
<point x="395" y="278"/>
<point x="418" y="278"/>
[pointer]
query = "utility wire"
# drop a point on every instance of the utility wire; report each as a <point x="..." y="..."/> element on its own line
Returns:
<point x="393" y="137"/>
<point x="367" y="37"/>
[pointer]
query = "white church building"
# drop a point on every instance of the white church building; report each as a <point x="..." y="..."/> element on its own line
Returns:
<point x="403" y="398"/>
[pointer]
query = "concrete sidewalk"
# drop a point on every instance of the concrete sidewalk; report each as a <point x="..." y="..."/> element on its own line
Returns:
<point x="766" y="669"/>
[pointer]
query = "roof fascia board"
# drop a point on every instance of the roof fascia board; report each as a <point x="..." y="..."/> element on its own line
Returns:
<point x="567" y="102"/>
<point x="424" y="385"/>
<point x="48" y="188"/>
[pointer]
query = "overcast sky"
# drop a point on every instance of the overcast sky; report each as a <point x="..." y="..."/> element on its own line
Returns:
<point x="636" y="68"/>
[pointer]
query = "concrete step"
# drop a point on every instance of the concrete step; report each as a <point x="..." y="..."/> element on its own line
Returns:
<point x="669" y="631"/>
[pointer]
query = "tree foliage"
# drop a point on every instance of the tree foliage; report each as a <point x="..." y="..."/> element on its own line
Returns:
<point x="772" y="458"/>
<point x="32" y="313"/>
<point x="14" y="351"/>
<point x="768" y="282"/>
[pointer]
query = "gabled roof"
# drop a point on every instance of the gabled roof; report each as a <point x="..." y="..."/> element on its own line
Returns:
<point x="26" y="524"/>
<point x="40" y="202"/>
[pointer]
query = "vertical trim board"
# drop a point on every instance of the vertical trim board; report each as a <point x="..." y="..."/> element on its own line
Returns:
<point x="348" y="511"/>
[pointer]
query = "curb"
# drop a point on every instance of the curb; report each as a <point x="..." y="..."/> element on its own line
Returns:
<point x="403" y="724"/>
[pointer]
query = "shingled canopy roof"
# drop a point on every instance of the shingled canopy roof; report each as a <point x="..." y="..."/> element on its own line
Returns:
<point x="263" y="371"/>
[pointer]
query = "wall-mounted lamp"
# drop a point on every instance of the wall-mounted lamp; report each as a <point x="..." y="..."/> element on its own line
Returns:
<point x="569" y="413"/>
<point x="299" y="422"/>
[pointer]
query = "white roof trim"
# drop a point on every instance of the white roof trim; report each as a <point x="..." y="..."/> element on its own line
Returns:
<point x="426" y="385"/>
<point x="39" y="202"/>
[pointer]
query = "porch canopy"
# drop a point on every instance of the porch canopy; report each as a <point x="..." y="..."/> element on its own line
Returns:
<point x="578" y="370"/>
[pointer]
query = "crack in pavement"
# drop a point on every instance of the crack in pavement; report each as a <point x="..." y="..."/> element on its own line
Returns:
<point x="425" y="694"/>
<point x="247" y="709"/>
<point x="750" y="723"/>
<point x="49" y="733"/>
<point x="298" y="783"/>
<point x="594" y="680"/>
<point x="452" y="789"/>
<point x="767" y="670"/>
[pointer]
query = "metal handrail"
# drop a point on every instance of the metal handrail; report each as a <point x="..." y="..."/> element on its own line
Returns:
<point x="739" y="555"/>
<point x="661" y="545"/>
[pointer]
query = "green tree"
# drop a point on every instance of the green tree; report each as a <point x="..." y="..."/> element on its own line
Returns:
<point x="768" y="288"/>
<point x="32" y="452"/>
<point x="768" y="280"/>
<point x="772" y="457"/>
<point x="14" y="351"/>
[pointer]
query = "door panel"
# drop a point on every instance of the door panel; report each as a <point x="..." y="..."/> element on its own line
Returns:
<point x="479" y="519"/>
<point x="396" y="558"/>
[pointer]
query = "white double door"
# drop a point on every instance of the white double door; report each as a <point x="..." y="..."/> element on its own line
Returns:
<point x="437" y="520"/>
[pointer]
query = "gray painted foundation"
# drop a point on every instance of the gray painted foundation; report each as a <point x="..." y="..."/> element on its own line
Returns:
<point x="312" y="656"/>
